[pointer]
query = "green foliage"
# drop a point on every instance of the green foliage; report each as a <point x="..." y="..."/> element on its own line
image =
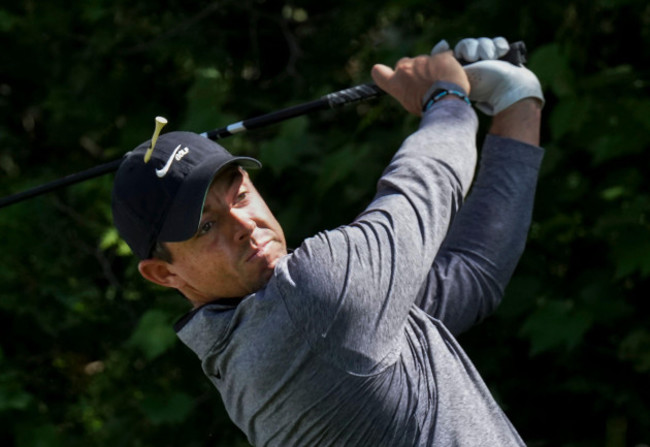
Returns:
<point x="40" y="436"/>
<point x="569" y="327"/>
<point x="88" y="356"/>
<point x="551" y="65"/>
<point x="12" y="394"/>
<point x="172" y="409"/>
<point x="288" y="149"/>
<point x="153" y="334"/>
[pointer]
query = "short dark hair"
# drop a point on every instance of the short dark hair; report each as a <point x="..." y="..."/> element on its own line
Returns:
<point x="161" y="251"/>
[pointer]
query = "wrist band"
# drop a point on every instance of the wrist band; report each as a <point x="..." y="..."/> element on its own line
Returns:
<point x="439" y="94"/>
<point x="441" y="89"/>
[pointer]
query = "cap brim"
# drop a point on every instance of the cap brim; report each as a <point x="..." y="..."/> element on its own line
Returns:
<point x="184" y="214"/>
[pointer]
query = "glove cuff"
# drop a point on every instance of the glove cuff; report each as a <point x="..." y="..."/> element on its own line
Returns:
<point x="524" y="90"/>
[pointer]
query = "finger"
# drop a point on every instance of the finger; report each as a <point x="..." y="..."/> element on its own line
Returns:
<point x="403" y="62"/>
<point x="501" y="45"/>
<point x="440" y="47"/>
<point x="486" y="49"/>
<point x="381" y="74"/>
<point x="467" y="49"/>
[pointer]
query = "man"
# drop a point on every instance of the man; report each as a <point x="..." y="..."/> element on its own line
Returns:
<point x="349" y="340"/>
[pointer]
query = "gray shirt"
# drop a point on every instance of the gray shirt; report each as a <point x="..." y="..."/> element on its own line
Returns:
<point x="351" y="343"/>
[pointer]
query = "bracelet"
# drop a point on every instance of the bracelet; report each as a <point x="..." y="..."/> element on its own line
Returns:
<point x="437" y="95"/>
<point x="439" y="90"/>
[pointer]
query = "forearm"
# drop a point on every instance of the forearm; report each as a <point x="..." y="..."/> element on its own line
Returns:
<point x="521" y="121"/>
<point x="424" y="185"/>
<point x="486" y="238"/>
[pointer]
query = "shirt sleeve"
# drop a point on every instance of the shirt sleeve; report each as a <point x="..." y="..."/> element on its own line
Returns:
<point x="350" y="289"/>
<point x="487" y="237"/>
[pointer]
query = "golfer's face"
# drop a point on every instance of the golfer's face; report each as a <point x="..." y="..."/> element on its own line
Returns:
<point x="237" y="246"/>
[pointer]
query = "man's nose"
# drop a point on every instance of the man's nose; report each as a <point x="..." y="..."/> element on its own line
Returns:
<point x="243" y="224"/>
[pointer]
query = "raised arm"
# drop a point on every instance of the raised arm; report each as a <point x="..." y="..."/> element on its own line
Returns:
<point x="488" y="235"/>
<point x="351" y="289"/>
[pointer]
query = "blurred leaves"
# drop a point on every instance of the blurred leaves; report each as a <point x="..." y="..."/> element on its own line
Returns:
<point x="39" y="436"/>
<point x="551" y="65"/>
<point x="172" y="409"/>
<point x="555" y="325"/>
<point x="12" y="395"/>
<point x="288" y="148"/>
<point x="154" y="334"/>
<point x="204" y="101"/>
<point x="636" y="348"/>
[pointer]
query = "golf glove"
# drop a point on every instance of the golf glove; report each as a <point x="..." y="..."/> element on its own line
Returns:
<point x="495" y="85"/>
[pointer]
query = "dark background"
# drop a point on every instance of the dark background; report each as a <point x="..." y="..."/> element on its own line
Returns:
<point x="87" y="353"/>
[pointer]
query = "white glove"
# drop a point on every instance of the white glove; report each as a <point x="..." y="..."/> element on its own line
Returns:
<point x="495" y="85"/>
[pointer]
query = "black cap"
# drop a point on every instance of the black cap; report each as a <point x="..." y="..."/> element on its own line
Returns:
<point x="162" y="200"/>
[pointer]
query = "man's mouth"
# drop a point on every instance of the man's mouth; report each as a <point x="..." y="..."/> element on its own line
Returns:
<point x="258" y="252"/>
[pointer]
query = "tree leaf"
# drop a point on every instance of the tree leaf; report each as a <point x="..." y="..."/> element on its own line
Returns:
<point x="631" y="251"/>
<point x="635" y="348"/>
<point x="555" y="325"/>
<point x="286" y="150"/>
<point x="568" y="115"/>
<point x="171" y="409"/>
<point x="154" y="334"/>
<point x="551" y="65"/>
<point x="12" y="395"/>
<point x="204" y="100"/>
<point x="39" y="436"/>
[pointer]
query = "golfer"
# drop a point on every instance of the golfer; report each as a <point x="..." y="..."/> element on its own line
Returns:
<point x="349" y="340"/>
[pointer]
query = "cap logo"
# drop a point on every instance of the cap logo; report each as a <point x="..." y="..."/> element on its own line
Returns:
<point x="176" y="155"/>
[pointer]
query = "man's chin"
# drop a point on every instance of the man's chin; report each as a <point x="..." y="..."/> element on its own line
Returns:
<point x="265" y="273"/>
<point x="261" y="279"/>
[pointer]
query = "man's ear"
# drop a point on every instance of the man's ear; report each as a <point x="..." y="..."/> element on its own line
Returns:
<point x="159" y="272"/>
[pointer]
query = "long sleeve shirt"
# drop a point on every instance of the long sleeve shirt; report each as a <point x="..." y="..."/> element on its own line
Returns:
<point x="352" y="341"/>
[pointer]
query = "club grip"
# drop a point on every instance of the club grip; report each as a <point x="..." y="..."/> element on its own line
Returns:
<point x="353" y="94"/>
<point x="516" y="56"/>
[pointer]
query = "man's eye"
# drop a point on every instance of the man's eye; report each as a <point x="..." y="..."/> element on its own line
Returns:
<point x="207" y="226"/>
<point x="242" y="196"/>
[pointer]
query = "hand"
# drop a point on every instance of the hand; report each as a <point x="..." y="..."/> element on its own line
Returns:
<point x="412" y="77"/>
<point x="496" y="85"/>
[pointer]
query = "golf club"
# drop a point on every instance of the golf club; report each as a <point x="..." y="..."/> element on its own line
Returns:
<point x="516" y="55"/>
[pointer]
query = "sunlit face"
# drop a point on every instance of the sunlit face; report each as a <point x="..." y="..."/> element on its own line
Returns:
<point x="237" y="246"/>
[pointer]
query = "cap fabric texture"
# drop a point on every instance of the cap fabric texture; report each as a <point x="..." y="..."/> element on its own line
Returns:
<point x="162" y="200"/>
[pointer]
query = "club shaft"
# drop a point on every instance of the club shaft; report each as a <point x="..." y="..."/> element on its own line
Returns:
<point x="516" y="56"/>
<point x="62" y="182"/>
<point x="337" y="99"/>
<point x="265" y="120"/>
